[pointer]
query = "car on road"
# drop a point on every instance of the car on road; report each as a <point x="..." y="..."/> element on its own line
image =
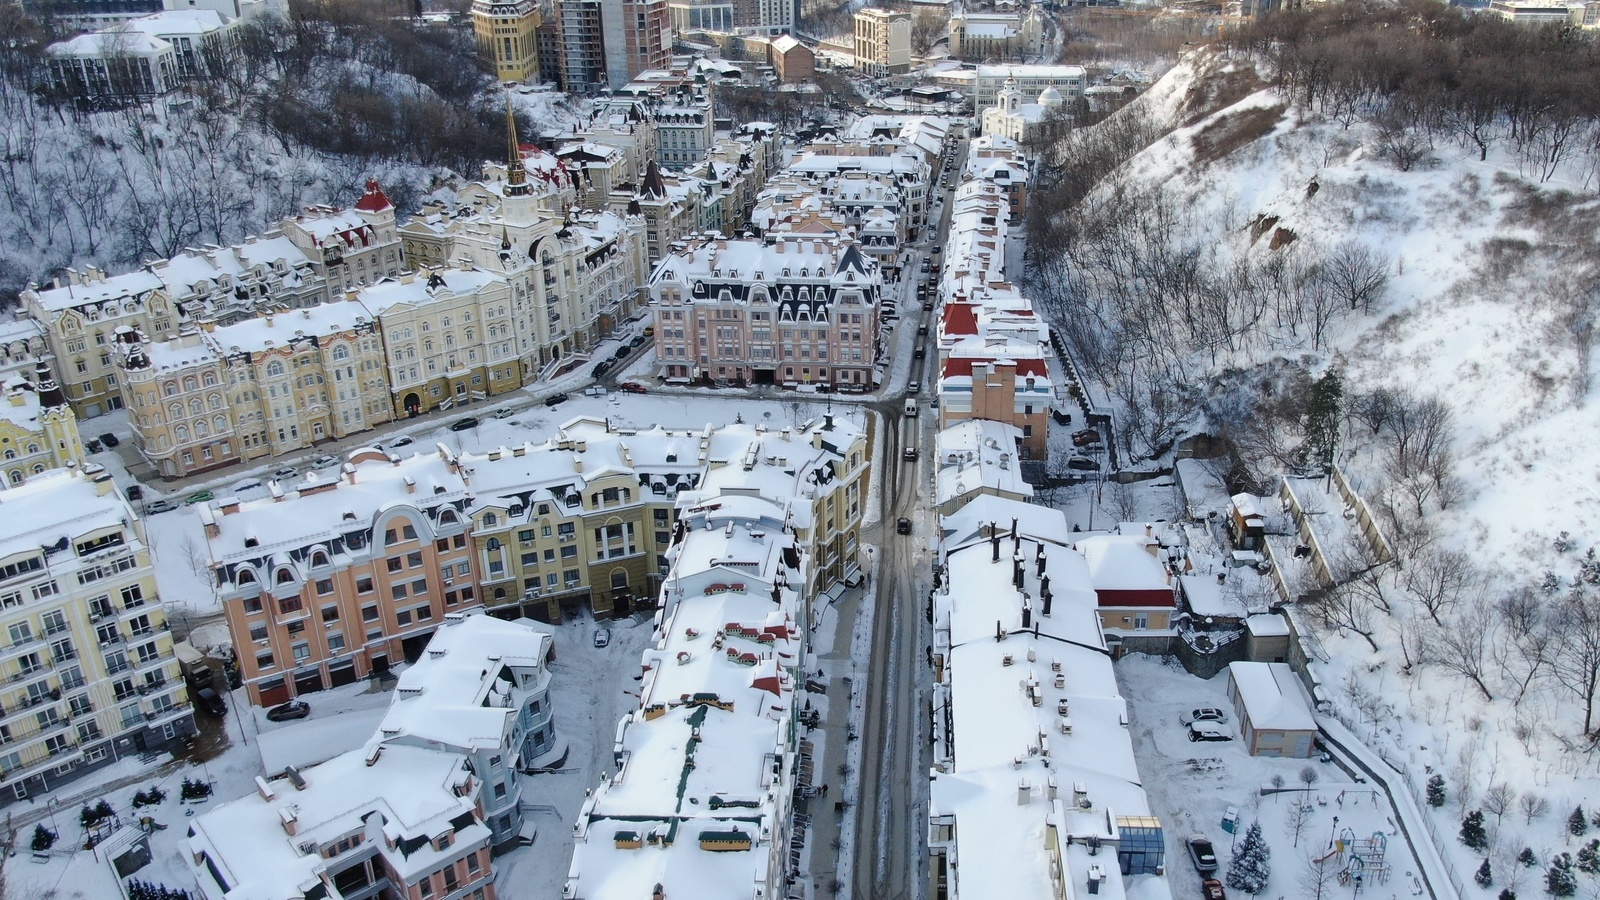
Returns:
<point x="601" y="368"/>
<point x="1212" y="889"/>
<point x="1085" y="437"/>
<point x="199" y="497"/>
<point x="902" y="526"/>
<point x="210" y="702"/>
<point x="1083" y="464"/>
<point x="909" y="454"/>
<point x="92" y="445"/>
<point x="555" y="399"/>
<point x="920" y="353"/>
<point x="638" y="342"/>
<point x="1202" y="714"/>
<point x="294" y="709"/>
<point x="464" y="424"/>
<point x="135" y="492"/>
<point x="401" y="441"/>
<point x="287" y="473"/>
<point x="324" y="462"/>
<point x="1062" y="418"/>
<point x="249" y="484"/>
<point x="109" y="439"/>
<point x="1208" y="731"/>
<point x="922" y="330"/>
<point x="633" y="387"/>
<point x="1201" y="852"/>
<point x="602" y="637"/>
<point x="155" y="507"/>
<point x="504" y="412"/>
<point x="914" y="387"/>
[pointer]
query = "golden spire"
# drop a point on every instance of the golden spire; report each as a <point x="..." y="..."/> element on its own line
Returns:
<point x="515" y="175"/>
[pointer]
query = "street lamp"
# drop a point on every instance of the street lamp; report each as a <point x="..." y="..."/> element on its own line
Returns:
<point x="1333" y="831"/>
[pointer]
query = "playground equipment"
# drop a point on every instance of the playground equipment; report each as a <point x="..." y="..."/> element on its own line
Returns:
<point x="1362" y="859"/>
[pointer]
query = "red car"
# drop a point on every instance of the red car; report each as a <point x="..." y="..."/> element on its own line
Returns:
<point x="1213" y="889"/>
<point x="633" y="387"/>
<point x="1085" y="437"/>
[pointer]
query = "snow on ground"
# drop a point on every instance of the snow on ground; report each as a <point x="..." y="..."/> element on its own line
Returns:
<point x="1192" y="785"/>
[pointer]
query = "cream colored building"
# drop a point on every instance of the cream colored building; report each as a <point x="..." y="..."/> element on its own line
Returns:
<point x="257" y="388"/>
<point x="507" y="32"/>
<point x="87" y="663"/>
<point x="1013" y="119"/>
<point x="38" y="430"/>
<point x="349" y="247"/>
<point x="999" y="36"/>
<point x="883" y="42"/>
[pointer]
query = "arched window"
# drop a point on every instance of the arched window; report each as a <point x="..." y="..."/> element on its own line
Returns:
<point x="341" y="352"/>
<point x="182" y="433"/>
<point x="216" y="401"/>
<point x="169" y="389"/>
<point x="209" y="379"/>
<point x="493" y="544"/>
<point x="220" y="423"/>
<point x="16" y="476"/>
<point x="37" y="468"/>
<point x="448" y="517"/>
<point x="245" y="576"/>
<point x="32" y="449"/>
<point x="10" y="453"/>
<point x="319" y="557"/>
<point x="284" y="576"/>
<point x="189" y="383"/>
<point x="175" y="410"/>
<point x="196" y="407"/>
<point x="274" y="369"/>
<point x="200" y="429"/>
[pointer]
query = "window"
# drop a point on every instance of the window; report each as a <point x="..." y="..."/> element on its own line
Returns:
<point x="395" y="564"/>
<point x="364" y="584"/>
<point x="369" y="613"/>
<point x="264" y="660"/>
<point x="414" y="559"/>
<point x="324" y="586"/>
<point x="258" y="632"/>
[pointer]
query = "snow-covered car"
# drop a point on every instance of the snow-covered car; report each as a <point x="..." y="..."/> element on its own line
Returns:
<point x="1082" y="464"/>
<point x="1201" y="852"/>
<point x="286" y="474"/>
<point x="1212" y="889"/>
<point x="324" y="462"/>
<point x="1085" y="437"/>
<point x="602" y="638"/>
<point x="294" y="709"/>
<point x="159" y="506"/>
<point x="401" y="441"/>
<point x="504" y="412"/>
<point x="1208" y="731"/>
<point x="1203" y="714"/>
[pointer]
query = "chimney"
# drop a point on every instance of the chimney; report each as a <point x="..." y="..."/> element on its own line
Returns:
<point x="411" y="485"/>
<point x="1038" y="567"/>
<point x="1147" y="529"/>
<point x="1027" y="615"/>
<point x="994" y="543"/>
<point x="1024" y="792"/>
<point x="1047" y="597"/>
<point x="290" y="818"/>
<point x="269" y="320"/>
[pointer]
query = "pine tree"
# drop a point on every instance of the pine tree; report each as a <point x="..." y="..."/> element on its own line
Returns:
<point x="1527" y="858"/>
<point x="1472" y="832"/>
<point x="1251" y="865"/>
<point x="1508" y="894"/>
<point x="1589" y="857"/>
<point x="43" y="838"/>
<point x="1322" y="420"/>
<point x="1436" y="791"/>
<point x="1577" y="823"/>
<point x="1559" y="880"/>
<point x="1484" y="876"/>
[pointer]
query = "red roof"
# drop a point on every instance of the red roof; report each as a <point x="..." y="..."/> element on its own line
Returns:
<point x="374" y="200"/>
<point x="960" y="318"/>
<point x="961" y="366"/>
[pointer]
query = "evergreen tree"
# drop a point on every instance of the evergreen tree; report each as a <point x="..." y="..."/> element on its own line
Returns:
<point x="1472" y="832"/>
<point x="43" y="838"/>
<point x="1577" y="823"/>
<point x="1508" y="894"/>
<point x="1589" y="857"/>
<point x="1484" y="876"/>
<point x="1527" y="858"/>
<point x="1559" y="880"/>
<point x="1322" y="420"/>
<point x="1436" y="791"/>
<point x="1251" y="865"/>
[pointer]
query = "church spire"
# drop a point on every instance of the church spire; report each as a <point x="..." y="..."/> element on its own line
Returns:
<point x="516" y="177"/>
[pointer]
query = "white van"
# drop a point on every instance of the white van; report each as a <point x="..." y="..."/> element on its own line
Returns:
<point x="911" y="407"/>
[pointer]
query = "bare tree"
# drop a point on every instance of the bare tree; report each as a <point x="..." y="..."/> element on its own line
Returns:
<point x="1299" y="817"/>
<point x="1345" y="609"/>
<point x="1525" y="654"/>
<point x="1318" y="877"/>
<point x="1497" y="800"/>
<point x="1575" y="664"/>
<point x="1356" y="274"/>
<point x="1462" y="644"/>
<point x="1533" y="807"/>
<point x="1437" y="579"/>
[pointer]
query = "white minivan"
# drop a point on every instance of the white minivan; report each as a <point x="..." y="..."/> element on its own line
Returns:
<point x="911" y="407"/>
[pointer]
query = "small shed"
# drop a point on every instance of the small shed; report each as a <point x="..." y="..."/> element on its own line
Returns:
<point x="1248" y="524"/>
<point x="1273" y="708"/>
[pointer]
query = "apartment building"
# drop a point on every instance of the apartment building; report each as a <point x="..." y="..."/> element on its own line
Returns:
<point x="905" y="167"/>
<point x="228" y="285"/>
<point x="482" y="690"/>
<point x="337" y="576"/>
<point x="623" y="121"/>
<point x="349" y="248"/>
<point x="882" y="42"/>
<point x="261" y="387"/>
<point x="684" y="132"/>
<point x="998" y="35"/>
<point x="143" y="57"/>
<point x="507" y="33"/>
<point x="606" y="43"/>
<point x="81" y="318"/>
<point x="387" y="821"/>
<point x="87" y="665"/>
<point x="670" y="207"/>
<point x="448" y="337"/>
<point x="790" y="310"/>
<point x="38" y="430"/>
<point x="22" y="347"/>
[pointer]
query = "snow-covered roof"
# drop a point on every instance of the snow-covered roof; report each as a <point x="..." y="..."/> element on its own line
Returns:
<point x="980" y="454"/>
<point x="969" y="523"/>
<point x="1123" y="562"/>
<point x="1273" y="697"/>
<point x="461" y="693"/>
<point x="424" y="288"/>
<point x="59" y="505"/>
<point x="132" y="285"/>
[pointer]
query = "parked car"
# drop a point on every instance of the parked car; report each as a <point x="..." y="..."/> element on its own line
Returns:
<point x="401" y="441"/>
<point x="909" y="454"/>
<point x="919" y="353"/>
<point x="109" y="439"/>
<point x="555" y="399"/>
<point x="287" y="473"/>
<point x="465" y="424"/>
<point x="633" y="387"/>
<point x="1062" y="418"/>
<point x="92" y="445"/>
<point x="1212" y="889"/>
<point x="638" y="342"/>
<point x="601" y="368"/>
<point x="1208" y="731"/>
<point x="622" y="353"/>
<point x="1201" y="852"/>
<point x="155" y="507"/>
<point x="902" y="526"/>
<point x="325" y="462"/>
<point x="199" y="497"/>
<point x="1203" y="714"/>
<point x="1083" y="464"/>
<point x="504" y="412"/>
<point x="210" y="702"/>
<point x="249" y="484"/>
<point x="135" y="492"/>
<point x="294" y="709"/>
<point x="1085" y="437"/>
<point x="602" y="637"/>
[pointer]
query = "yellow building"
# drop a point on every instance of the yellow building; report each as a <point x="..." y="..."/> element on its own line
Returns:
<point x="87" y="667"/>
<point x="507" y="37"/>
<point x="38" y="429"/>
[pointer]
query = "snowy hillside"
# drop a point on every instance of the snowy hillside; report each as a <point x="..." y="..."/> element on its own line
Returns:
<point x="1229" y="225"/>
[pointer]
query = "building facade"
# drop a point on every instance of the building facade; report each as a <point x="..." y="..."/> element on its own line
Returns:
<point x="81" y="319"/>
<point x="882" y="42"/>
<point x="507" y="34"/>
<point x="38" y="429"/>
<point x="88" y="666"/>
<point x="789" y="310"/>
